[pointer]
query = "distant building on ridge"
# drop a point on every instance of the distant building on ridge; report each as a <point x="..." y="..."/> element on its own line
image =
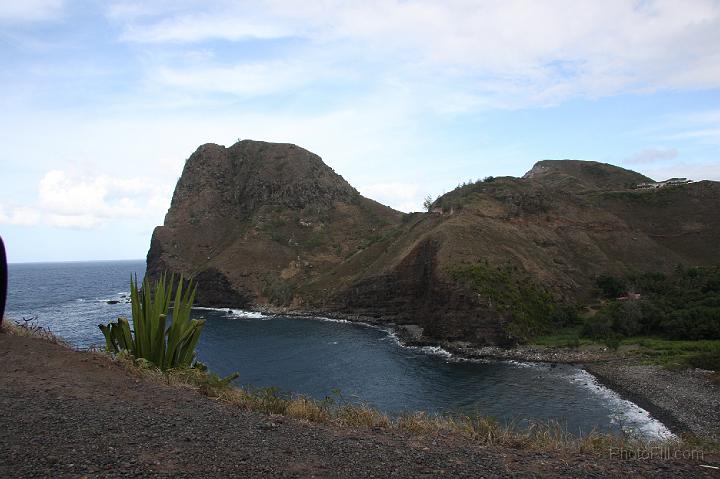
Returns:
<point x="660" y="184"/>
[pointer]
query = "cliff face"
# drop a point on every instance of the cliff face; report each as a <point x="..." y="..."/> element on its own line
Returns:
<point x="271" y="224"/>
<point x="255" y="219"/>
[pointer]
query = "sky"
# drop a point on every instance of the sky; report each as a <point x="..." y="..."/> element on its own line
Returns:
<point x="101" y="102"/>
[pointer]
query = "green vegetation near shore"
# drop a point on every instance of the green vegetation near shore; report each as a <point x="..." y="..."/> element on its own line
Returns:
<point x="683" y="305"/>
<point x="532" y="309"/>
<point x="671" y="320"/>
<point x="703" y="354"/>
<point x="567" y="337"/>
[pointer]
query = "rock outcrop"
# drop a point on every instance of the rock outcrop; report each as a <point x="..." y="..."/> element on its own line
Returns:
<point x="263" y="224"/>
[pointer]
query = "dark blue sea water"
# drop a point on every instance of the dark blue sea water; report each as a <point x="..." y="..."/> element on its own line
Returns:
<point x="313" y="356"/>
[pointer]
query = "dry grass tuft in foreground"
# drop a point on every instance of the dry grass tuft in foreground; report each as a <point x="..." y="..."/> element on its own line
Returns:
<point x="28" y="329"/>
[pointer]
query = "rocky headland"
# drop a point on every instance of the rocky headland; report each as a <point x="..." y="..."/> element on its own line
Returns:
<point x="270" y="226"/>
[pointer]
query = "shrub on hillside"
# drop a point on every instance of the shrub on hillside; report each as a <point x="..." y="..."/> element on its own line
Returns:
<point x="278" y="291"/>
<point x="532" y="309"/>
<point x="610" y="286"/>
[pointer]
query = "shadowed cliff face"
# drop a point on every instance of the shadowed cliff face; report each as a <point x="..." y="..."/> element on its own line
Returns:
<point x="270" y="224"/>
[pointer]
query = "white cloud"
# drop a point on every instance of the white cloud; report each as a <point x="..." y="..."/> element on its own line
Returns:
<point x="711" y="135"/>
<point x="244" y="79"/>
<point x="18" y="215"/>
<point x="73" y="221"/>
<point x="702" y="127"/>
<point x="197" y="27"/>
<point x="517" y="52"/>
<point x="69" y="200"/>
<point x="652" y="155"/>
<point x="126" y="10"/>
<point x="602" y="43"/>
<point x="17" y="11"/>
<point x="401" y="196"/>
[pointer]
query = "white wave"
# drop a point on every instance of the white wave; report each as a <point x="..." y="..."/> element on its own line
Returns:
<point x="391" y="335"/>
<point x="345" y="321"/>
<point x="526" y="364"/>
<point x="330" y="320"/>
<point x="435" y="351"/>
<point x="475" y="360"/>
<point x="122" y="297"/>
<point x="429" y="350"/>
<point x="236" y="313"/>
<point x="117" y="299"/>
<point x="629" y="416"/>
<point x="240" y="313"/>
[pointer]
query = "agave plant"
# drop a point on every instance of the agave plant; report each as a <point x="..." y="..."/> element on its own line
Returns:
<point x="167" y="347"/>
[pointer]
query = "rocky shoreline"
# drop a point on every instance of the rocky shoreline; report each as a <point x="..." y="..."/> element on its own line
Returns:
<point x="412" y="335"/>
<point x="686" y="401"/>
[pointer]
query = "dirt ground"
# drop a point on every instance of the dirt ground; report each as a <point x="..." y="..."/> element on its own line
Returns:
<point x="65" y="413"/>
